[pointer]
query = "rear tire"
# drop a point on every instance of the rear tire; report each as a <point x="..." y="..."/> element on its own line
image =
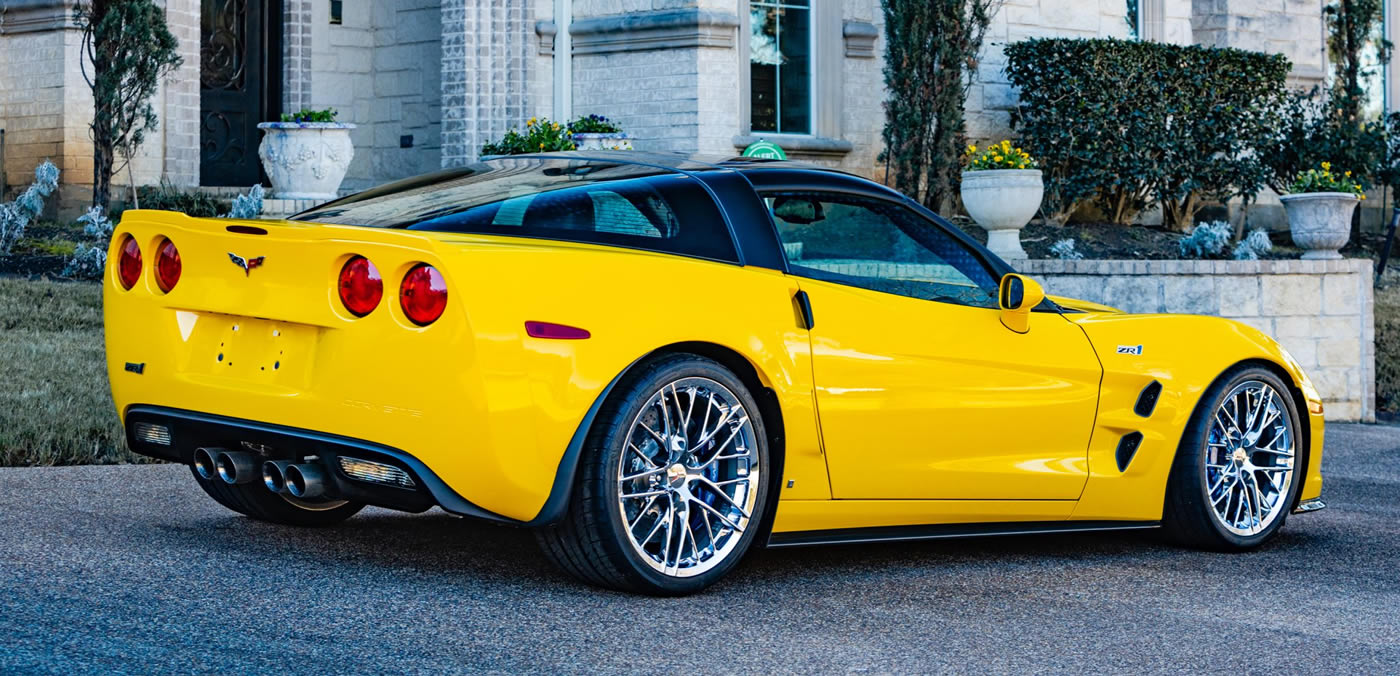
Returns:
<point x="1236" y="474"/>
<point x="667" y="499"/>
<point x="256" y="501"/>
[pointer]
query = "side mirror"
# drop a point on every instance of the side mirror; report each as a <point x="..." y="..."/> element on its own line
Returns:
<point x="1017" y="296"/>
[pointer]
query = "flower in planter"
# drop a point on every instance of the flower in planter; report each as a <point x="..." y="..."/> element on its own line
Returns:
<point x="539" y="135"/>
<point x="594" y="124"/>
<point x="1323" y="180"/>
<point x="998" y="156"/>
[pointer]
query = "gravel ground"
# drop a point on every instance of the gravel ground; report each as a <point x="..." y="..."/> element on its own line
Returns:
<point x="132" y="569"/>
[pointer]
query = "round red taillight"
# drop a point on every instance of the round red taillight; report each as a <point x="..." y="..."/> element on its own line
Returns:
<point x="129" y="262"/>
<point x="360" y="286"/>
<point x="167" y="265"/>
<point x="423" y="295"/>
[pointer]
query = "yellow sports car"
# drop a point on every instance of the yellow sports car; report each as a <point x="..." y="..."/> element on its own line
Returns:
<point x="659" y="363"/>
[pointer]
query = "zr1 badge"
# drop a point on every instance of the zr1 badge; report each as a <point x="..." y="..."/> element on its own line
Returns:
<point x="1129" y="349"/>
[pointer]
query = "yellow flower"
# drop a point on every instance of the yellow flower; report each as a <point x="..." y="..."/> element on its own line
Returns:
<point x="997" y="158"/>
<point x="1347" y="174"/>
<point x="530" y="123"/>
<point x="1327" y="166"/>
<point x="541" y="145"/>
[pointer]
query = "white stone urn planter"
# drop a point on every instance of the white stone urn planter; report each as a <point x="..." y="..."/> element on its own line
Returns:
<point x="1320" y="222"/>
<point x="594" y="141"/>
<point x="1003" y="201"/>
<point x="306" y="160"/>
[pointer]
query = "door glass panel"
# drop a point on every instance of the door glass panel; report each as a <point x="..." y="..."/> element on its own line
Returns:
<point x="879" y="246"/>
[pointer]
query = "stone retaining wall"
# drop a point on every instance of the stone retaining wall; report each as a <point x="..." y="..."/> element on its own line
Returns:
<point x="1321" y="311"/>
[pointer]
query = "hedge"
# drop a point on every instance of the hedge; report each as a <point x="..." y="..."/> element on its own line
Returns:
<point x="1130" y="124"/>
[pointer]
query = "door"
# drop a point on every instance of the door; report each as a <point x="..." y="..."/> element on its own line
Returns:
<point x="239" y="48"/>
<point x="921" y="392"/>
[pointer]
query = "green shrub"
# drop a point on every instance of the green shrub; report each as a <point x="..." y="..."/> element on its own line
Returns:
<point x="309" y="115"/>
<point x="1312" y="128"/>
<point x="1131" y="124"/>
<point x="169" y="198"/>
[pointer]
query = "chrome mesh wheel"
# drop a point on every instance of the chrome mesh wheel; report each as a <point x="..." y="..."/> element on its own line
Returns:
<point x="1249" y="459"/>
<point x="689" y="477"/>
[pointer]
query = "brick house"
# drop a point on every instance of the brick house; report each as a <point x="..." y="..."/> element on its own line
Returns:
<point x="428" y="81"/>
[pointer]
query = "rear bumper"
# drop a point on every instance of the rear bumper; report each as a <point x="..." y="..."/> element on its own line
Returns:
<point x="184" y="431"/>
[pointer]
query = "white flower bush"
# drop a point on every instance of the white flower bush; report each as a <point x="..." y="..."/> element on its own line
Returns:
<point x="247" y="206"/>
<point x="90" y="259"/>
<point x="1252" y="247"/>
<point x="1206" y="240"/>
<point x="17" y="215"/>
<point x="1065" y="251"/>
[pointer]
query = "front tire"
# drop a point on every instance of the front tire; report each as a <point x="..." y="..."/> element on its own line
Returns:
<point x="1235" y="476"/>
<point x="256" y="501"/>
<point x="671" y="485"/>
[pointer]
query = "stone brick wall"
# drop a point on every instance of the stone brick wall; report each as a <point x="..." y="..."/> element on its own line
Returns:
<point x="381" y="69"/>
<point x="46" y="104"/>
<point x="1321" y="311"/>
<point x="32" y="108"/>
<point x="1293" y="28"/>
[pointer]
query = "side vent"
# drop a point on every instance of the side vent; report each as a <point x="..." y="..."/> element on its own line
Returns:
<point x="1127" y="448"/>
<point x="1147" y="401"/>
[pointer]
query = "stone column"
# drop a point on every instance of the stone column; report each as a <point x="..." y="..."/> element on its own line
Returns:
<point x="486" y="50"/>
<point x="296" y="55"/>
<point x="180" y="113"/>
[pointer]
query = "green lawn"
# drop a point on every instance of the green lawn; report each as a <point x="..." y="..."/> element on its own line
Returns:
<point x="55" y="408"/>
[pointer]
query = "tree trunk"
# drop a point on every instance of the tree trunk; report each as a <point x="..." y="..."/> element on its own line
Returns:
<point x="102" y="163"/>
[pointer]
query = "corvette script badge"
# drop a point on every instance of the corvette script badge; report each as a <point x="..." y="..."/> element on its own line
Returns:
<point x="248" y="264"/>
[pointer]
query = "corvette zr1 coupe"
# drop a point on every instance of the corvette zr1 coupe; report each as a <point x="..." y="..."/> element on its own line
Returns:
<point x="659" y="363"/>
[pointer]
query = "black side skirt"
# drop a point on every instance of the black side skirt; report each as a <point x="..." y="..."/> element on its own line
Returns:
<point x="946" y="531"/>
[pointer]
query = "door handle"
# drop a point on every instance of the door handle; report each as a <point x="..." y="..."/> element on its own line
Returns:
<point x="804" y="305"/>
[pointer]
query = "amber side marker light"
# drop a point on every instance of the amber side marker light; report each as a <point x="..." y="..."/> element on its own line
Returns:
<point x="129" y="262"/>
<point x="555" y="331"/>
<point x="1315" y="407"/>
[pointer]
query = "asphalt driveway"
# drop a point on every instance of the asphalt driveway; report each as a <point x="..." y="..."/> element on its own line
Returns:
<point x="133" y="569"/>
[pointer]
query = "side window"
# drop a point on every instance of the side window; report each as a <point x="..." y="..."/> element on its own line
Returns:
<point x="670" y="213"/>
<point x="879" y="246"/>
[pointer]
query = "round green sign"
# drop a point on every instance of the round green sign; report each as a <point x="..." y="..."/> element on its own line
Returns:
<point x="766" y="150"/>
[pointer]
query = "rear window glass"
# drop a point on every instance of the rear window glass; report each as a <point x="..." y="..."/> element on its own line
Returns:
<point x="617" y="204"/>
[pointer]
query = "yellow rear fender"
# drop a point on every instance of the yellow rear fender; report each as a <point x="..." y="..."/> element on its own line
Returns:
<point x="1185" y="355"/>
<point x="490" y="410"/>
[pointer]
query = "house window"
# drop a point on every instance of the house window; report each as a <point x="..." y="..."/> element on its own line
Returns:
<point x="780" y="66"/>
<point x="336" y="10"/>
<point x="1134" y="19"/>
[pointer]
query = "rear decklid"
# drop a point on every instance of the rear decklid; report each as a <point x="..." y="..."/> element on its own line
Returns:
<point x="280" y="270"/>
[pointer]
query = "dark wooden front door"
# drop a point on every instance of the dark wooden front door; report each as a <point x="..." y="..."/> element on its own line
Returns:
<point x="239" y="83"/>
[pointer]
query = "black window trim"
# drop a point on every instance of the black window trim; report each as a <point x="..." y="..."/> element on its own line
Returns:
<point x="714" y="199"/>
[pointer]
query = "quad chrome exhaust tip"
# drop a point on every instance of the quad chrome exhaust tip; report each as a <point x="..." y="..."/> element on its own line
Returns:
<point x="236" y="467"/>
<point x="274" y="475"/>
<point x="304" y="481"/>
<point x="204" y="462"/>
